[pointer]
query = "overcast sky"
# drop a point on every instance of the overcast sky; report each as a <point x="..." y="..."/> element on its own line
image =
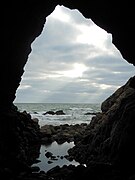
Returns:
<point x="72" y="61"/>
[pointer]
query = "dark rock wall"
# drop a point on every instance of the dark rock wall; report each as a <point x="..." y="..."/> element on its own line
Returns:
<point x="110" y="136"/>
<point x="18" y="135"/>
<point x="23" y="22"/>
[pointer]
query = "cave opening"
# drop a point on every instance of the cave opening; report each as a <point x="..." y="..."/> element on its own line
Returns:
<point x="72" y="61"/>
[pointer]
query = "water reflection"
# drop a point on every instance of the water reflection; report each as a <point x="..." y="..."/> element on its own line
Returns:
<point x="59" y="151"/>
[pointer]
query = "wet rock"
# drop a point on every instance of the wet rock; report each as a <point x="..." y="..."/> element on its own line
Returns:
<point x="63" y="133"/>
<point x="48" y="154"/>
<point x="35" y="169"/>
<point x="59" y="112"/>
<point x="49" y="112"/>
<point x="90" y="113"/>
<point x="49" y="162"/>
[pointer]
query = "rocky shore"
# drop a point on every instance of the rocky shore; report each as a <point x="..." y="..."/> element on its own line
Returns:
<point x="62" y="133"/>
<point x="106" y="145"/>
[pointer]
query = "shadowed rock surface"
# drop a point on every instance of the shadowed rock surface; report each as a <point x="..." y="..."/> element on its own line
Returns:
<point x="108" y="145"/>
<point x="109" y="138"/>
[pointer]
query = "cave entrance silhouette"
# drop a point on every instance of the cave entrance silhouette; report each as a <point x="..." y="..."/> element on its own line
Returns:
<point x="73" y="59"/>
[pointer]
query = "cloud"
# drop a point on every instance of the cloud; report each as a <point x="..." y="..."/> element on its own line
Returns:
<point x="72" y="61"/>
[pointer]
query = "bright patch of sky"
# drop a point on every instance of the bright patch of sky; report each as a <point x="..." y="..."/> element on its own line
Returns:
<point x="72" y="61"/>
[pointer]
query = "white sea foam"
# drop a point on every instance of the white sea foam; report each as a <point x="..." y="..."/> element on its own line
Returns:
<point x="74" y="113"/>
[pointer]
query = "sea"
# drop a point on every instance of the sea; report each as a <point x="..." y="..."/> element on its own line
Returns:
<point x="74" y="113"/>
